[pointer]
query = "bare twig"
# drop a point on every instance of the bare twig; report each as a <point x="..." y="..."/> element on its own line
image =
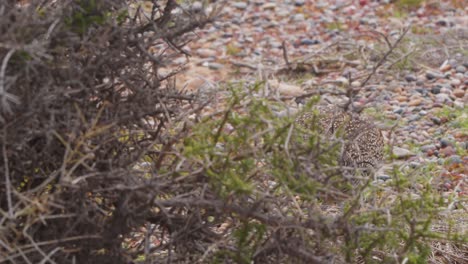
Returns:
<point x="4" y="95"/>
<point x="285" y="54"/>
<point x="384" y="58"/>
<point x="7" y="174"/>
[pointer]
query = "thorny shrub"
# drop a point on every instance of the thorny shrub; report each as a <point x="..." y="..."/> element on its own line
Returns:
<point x="104" y="162"/>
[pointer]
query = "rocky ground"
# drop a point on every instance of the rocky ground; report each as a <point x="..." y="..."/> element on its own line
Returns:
<point x="418" y="95"/>
<point x="416" y="56"/>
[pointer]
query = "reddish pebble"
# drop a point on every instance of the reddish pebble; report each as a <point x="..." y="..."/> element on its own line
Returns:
<point x="415" y="102"/>
<point x="402" y="98"/>
<point x="445" y="68"/>
<point x="459" y="93"/>
<point x="447" y="151"/>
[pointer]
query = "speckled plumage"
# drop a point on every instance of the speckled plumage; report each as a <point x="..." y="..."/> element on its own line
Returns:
<point x="363" y="141"/>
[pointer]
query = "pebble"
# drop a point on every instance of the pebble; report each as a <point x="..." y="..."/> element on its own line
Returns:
<point x="414" y="118"/>
<point x="401" y="153"/>
<point x="430" y="75"/>
<point x="442" y="98"/>
<point x="415" y="102"/>
<point x="215" y="66"/>
<point x="459" y="93"/>
<point x="448" y="151"/>
<point x="436" y="120"/>
<point x="445" y="67"/>
<point x="197" y="6"/>
<point x="429" y="147"/>
<point x="463" y="145"/>
<point x="455" y="159"/>
<point x="205" y="53"/>
<point x="240" y="5"/>
<point x="460" y="69"/>
<point x="445" y="143"/>
<point x="410" y="78"/>
<point x="384" y="177"/>
<point x="299" y="2"/>
<point x="309" y="42"/>
<point x="445" y="90"/>
<point x="455" y="82"/>
<point x="435" y="90"/>
<point x="402" y="98"/>
<point x="298" y="17"/>
<point x="459" y="104"/>
<point x="269" y="6"/>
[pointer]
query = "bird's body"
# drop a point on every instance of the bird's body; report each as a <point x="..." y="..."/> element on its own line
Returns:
<point x="363" y="145"/>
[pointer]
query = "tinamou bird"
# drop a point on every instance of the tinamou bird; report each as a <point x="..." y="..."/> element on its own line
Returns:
<point x="363" y="145"/>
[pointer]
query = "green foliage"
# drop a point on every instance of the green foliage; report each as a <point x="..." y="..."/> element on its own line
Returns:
<point x="230" y="158"/>
<point x="409" y="4"/>
<point x="248" y="143"/>
<point x="336" y="25"/>
<point x="248" y="237"/>
<point x="458" y="118"/>
<point x="86" y="14"/>
<point x="232" y="49"/>
<point x="400" y="222"/>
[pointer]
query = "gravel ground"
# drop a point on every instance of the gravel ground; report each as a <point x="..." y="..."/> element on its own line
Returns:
<point x="418" y="96"/>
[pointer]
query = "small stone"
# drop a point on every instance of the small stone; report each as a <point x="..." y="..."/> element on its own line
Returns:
<point x="435" y="90"/>
<point x="455" y="159"/>
<point x="205" y="53"/>
<point x="384" y="177"/>
<point x="445" y="143"/>
<point x="299" y="2"/>
<point x="422" y="91"/>
<point x="460" y="69"/>
<point x="459" y="104"/>
<point x="298" y="17"/>
<point x="269" y="6"/>
<point x="429" y="147"/>
<point x="455" y="82"/>
<point x="463" y="145"/>
<point x="215" y="66"/>
<point x="415" y="102"/>
<point x="447" y="152"/>
<point x="398" y="111"/>
<point x="436" y="120"/>
<point x="197" y="6"/>
<point x="431" y="75"/>
<point x="446" y="90"/>
<point x="410" y="78"/>
<point x="414" y="164"/>
<point x="442" y="98"/>
<point x="422" y="113"/>
<point x="401" y="153"/>
<point x="286" y="89"/>
<point x="240" y="5"/>
<point x="402" y="98"/>
<point x="342" y="81"/>
<point x="459" y="93"/>
<point x="309" y="42"/>
<point x="442" y="23"/>
<point x="414" y="118"/>
<point x="445" y="67"/>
